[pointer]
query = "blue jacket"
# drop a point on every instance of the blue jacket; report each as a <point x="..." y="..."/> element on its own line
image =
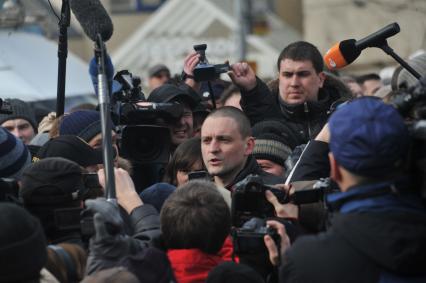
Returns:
<point x="377" y="235"/>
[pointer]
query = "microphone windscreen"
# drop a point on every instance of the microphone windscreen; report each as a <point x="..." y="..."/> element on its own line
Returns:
<point x="341" y="54"/>
<point x="93" y="18"/>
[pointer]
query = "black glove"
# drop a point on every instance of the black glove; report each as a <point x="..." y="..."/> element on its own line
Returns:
<point x="109" y="241"/>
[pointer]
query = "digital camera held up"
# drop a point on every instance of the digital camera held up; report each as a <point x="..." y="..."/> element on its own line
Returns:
<point x="205" y="71"/>
<point x="249" y="200"/>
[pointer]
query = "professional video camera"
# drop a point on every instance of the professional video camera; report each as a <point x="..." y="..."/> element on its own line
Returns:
<point x="411" y="103"/>
<point x="205" y="71"/>
<point x="145" y="137"/>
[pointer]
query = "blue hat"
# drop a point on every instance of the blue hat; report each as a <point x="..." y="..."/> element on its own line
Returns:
<point x="14" y="155"/>
<point x="157" y="194"/>
<point x="85" y="124"/>
<point x="368" y="137"/>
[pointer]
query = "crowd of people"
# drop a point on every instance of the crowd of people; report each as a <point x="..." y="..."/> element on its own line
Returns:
<point x="303" y="126"/>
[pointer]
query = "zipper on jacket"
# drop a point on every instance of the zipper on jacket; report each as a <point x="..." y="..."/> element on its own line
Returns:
<point x="306" y="110"/>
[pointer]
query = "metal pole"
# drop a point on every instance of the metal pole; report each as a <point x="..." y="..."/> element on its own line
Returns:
<point x="64" y="23"/>
<point x="242" y="14"/>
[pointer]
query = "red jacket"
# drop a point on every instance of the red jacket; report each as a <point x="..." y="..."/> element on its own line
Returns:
<point x="193" y="265"/>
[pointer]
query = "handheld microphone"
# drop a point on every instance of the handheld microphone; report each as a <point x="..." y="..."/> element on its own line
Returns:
<point x="345" y="52"/>
<point x="93" y="18"/>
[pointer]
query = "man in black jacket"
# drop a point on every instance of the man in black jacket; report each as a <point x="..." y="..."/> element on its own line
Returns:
<point x="378" y="230"/>
<point x="301" y="96"/>
<point x="227" y="145"/>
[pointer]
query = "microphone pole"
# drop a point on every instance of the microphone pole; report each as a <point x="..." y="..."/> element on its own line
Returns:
<point x="104" y="107"/>
<point x="64" y="23"/>
<point x="388" y="50"/>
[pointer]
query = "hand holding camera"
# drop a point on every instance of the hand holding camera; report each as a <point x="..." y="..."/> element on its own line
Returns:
<point x="276" y="250"/>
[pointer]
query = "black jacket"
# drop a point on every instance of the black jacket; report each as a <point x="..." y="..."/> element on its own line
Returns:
<point x="304" y="120"/>
<point x="366" y="243"/>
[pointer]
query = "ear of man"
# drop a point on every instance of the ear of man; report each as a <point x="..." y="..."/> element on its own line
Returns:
<point x="335" y="169"/>
<point x="249" y="146"/>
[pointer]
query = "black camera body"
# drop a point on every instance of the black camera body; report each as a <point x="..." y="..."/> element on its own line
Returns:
<point x="248" y="200"/>
<point x="205" y="71"/>
<point x="249" y="239"/>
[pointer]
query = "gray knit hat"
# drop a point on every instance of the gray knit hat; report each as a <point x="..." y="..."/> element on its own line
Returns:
<point x="20" y="110"/>
<point x="272" y="141"/>
<point x="14" y="155"/>
<point x="404" y="79"/>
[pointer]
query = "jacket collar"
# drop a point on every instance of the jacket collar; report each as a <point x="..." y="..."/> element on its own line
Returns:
<point x="372" y="197"/>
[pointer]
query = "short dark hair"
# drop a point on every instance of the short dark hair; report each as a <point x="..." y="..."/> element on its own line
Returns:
<point x="185" y="155"/>
<point x="237" y="115"/>
<point x="302" y="51"/>
<point x="195" y="216"/>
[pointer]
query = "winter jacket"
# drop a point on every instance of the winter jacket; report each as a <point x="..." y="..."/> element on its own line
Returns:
<point x="193" y="265"/>
<point x="304" y="120"/>
<point x="377" y="236"/>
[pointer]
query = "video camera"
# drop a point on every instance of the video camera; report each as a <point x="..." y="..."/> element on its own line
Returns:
<point x="411" y="104"/>
<point x="205" y="71"/>
<point x="145" y="138"/>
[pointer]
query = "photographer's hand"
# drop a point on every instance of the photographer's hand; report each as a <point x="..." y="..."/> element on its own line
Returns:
<point x="190" y="62"/>
<point x="243" y="76"/>
<point x="274" y="254"/>
<point x="288" y="210"/>
<point x="109" y="244"/>
<point x="127" y="196"/>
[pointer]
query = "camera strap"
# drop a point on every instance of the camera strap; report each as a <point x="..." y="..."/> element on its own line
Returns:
<point x="67" y="260"/>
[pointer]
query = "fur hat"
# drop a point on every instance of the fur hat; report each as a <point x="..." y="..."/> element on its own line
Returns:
<point x="22" y="245"/>
<point x="14" y="155"/>
<point x="20" y="110"/>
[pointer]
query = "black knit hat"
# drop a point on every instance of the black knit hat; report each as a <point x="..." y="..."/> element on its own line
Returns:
<point x="52" y="180"/>
<point x="85" y="124"/>
<point x="50" y="185"/>
<point x="22" y="245"/>
<point x="273" y="141"/>
<point x="20" y="110"/>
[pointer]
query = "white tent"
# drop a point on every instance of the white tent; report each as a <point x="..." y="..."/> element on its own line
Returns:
<point x="170" y="33"/>
<point x="29" y="68"/>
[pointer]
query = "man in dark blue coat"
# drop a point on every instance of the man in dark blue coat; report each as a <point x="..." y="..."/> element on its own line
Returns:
<point x="378" y="229"/>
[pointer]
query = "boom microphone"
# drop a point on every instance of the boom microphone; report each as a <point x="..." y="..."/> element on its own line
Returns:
<point x="346" y="51"/>
<point x="93" y="18"/>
